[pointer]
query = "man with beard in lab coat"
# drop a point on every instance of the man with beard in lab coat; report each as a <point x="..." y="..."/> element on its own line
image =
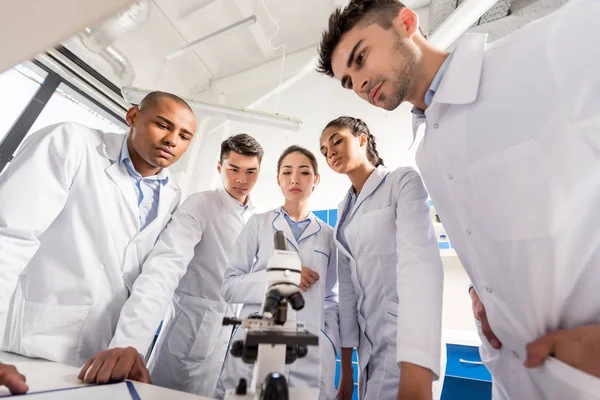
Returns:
<point x="510" y="155"/>
<point x="80" y="210"/>
<point x="198" y="241"/>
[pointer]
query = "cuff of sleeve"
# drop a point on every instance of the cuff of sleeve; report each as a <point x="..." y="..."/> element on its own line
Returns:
<point x="425" y="360"/>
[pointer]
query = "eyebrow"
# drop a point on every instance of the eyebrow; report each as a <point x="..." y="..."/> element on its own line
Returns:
<point x="330" y="139"/>
<point x="247" y="169"/>
<point x="170" y="123"/>
<point x="349" y="62"/>
<point x="301" y="166"/>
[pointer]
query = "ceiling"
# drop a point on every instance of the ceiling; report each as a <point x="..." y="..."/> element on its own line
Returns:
<point x="240" y="66"/>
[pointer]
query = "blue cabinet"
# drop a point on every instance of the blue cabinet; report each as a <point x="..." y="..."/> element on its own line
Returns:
<point x="466" y="377"/>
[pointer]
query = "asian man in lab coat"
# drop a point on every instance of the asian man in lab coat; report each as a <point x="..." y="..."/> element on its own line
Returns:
<point x="80" y="210"/>
<point x="511" y="158"/>
<point x="196" y="246"/>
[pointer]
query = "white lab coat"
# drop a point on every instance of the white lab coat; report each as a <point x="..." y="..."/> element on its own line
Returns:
<point x="391" y="282"/>
<point x="511" y="157"/>
<point x="69" y="231"/>
<point x="245" y="282"/>
<point x="192" y="345"/>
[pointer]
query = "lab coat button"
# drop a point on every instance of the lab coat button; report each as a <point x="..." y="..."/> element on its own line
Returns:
<point x="468" y="231"/>
<point x="450" y="176"/>
<point x="488" y="289"/>
<point x="515" y="354"/>
<point x="436" y="126"/>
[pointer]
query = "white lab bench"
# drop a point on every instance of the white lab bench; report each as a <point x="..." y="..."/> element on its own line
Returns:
<point x="43" y="375"/>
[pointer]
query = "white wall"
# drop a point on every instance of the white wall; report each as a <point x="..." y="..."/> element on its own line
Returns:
<point x="315" y="100"/>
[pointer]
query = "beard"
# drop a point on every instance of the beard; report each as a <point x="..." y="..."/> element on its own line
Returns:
<point x="405" y="60"/>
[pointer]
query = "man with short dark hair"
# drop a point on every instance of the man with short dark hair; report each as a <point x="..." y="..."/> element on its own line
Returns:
<point x="510" y="158"/>
<point x="196" y="244"/>
<point x="79" y="210"/>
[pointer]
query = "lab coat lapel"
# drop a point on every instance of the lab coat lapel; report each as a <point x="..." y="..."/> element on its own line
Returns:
<point x="312" y="229"/>
<point x="166" y="196"/>
<point x="341" y="211"/>
<point x="280" y="224"/>
<point x="375" y="179"/>
<point x="118" y="173"/>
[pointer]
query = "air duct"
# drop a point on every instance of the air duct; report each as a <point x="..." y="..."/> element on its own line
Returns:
<point x="100" y="39"/>
<point x="440" y="10"/>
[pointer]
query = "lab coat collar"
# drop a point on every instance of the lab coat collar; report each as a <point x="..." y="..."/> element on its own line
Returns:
<point x="312" y="229"/>
<point x="112" y="144"/>
<point x="460" y="84"/>
<point x="280" y="224"/>
<point x="372" y="183"/>
<point x="111" y="149"/>
<point x="232" y="204"/>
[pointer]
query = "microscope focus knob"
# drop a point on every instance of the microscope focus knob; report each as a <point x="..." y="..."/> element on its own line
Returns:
<point x="242" y="387"/>
<point x="302" y="350"/>
<point x="237" y="348"/>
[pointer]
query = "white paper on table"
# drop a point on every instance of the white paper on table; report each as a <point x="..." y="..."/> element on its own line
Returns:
<point x="115" y="391"/>
<point x="46" y="375"/>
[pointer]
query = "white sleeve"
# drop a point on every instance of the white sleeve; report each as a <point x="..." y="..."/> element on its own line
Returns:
<point x="240" y="283"/>
<point x="154" y="288"/>
<point x="33" y="191"/>
<point x="574" y="60"/>
<point x="332" y="324"/>
<point x="419" y="277"/>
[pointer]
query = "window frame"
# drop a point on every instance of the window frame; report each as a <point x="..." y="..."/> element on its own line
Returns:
<point x="12" y="140"/>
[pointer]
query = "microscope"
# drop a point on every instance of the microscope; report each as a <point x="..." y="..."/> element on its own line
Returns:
<point x="271" y="340"/>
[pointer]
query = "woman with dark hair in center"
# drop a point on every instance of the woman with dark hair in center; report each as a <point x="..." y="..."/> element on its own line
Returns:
<point x="390" y="272"/>
<point x="245" y="279"/>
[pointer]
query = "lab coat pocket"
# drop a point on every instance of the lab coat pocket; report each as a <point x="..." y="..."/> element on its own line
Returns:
<point x="391" y="323"/>
<point x="377" y="231"/>
<point x="328" y="351"/>
<point x="566" y="382"/>
<point x="53" y="331"/>
<point x="320" y="261"/>
<point x="194" y="335"/>
<point x="515" y="194"/>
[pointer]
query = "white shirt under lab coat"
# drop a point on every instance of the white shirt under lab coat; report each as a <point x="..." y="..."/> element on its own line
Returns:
<point x="245" y="282"/>
<point x="198" y="241"/>
<point x="71" y="244"/>
<point x="511" y="158"/>
<point x="391" y="281"/>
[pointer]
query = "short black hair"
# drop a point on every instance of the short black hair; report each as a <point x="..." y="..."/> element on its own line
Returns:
<point x="381" y="12"/>
<point x="152" y="99"/>
<point x="242" y="144"/>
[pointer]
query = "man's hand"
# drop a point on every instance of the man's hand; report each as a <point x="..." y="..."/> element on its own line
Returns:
<point x="481" y="316"/>
<point x="415" y="383"/>
<point x="309" y="278"/>
<point x="115" y="364"/>
<point x="12" y="379"/>
<point x="346" y="386"/>
<point x="578" y="347"/>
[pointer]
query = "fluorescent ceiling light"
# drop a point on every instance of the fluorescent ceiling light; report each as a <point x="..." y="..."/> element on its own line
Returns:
<point x="239" y="24"/>
<point x="459" y="21"/>
<point x="135" y="95"/>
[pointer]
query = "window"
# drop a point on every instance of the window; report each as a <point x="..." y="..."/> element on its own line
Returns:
<point x="68" y="105"/>
<point x="17" y="87"/>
